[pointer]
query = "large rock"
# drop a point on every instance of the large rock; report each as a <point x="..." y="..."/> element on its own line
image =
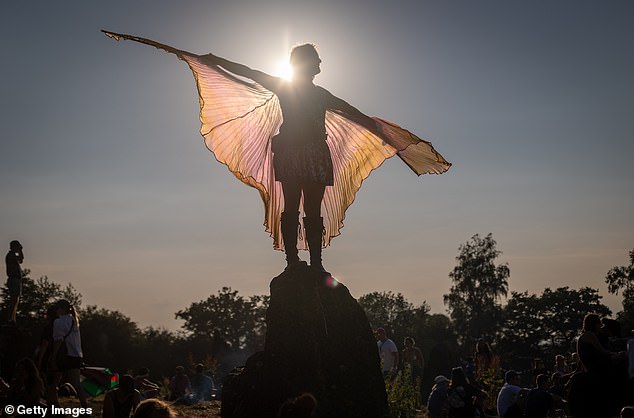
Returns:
<point x="318" y="340"/>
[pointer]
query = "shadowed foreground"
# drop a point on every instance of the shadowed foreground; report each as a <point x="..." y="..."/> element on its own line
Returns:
<point x="319" y="341"/>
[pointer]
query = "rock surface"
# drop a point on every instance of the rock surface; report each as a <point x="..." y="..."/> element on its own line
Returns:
<point x="318" y="340"/>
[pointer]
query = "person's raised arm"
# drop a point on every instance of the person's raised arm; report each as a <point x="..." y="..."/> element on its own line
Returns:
<point x="335" y="103"/>
<point x="267" y="81"/>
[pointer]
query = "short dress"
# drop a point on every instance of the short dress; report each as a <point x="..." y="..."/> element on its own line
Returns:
<point x="301" y="153"/>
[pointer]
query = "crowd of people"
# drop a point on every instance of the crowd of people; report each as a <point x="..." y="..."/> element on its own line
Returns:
<point x="594" y="381"/>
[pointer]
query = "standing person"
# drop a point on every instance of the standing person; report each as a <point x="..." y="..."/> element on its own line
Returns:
<point x="486" y="361"/>
<point x="67" y="338"/>
<point x="388" y="353"/>
<point x="413" y="357"/>
<point x="292" y="138"/>
<point x="508" y="396"/>
<point x="13" y="259"/>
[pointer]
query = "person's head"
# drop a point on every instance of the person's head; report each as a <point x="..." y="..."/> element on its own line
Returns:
<point x="199" y="368"/>
<point x="179" y="370"/>
<point x="15" y="245"/>
<point x="555" y="379"/>
<point x="440" y="380"/>
<point x="381" y="334"/>
<point x="542" y="381"/>
<point x="144" y="371"/>
<point x="305" y="61"/>
<point x="512" y="377"/>
<point x="458" y="377"/>
<point x="591" y="323"/>
<point x="627" y="412"/>
<point x="153" y="408"/>
<point x="126" y="383"/>
<point x="409" y="342"/>
<point x="560" y="360"/>
<point x="482" y="347"/>
<point x="64" y="307"/>
<point x="301" y="407"/>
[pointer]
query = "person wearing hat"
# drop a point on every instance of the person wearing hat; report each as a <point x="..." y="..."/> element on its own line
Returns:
<point x="437" y="397"/>
<point x="508" y="396"/>
<point x="13" y="259"/>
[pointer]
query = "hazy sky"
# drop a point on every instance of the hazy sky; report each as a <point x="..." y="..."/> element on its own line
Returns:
<point x="108" y="185"/>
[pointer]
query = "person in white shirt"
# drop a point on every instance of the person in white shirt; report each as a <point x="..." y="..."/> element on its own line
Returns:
<point x="388" y="353"/>
<point x="66" y="336"/>
<point x="507" y="398"/>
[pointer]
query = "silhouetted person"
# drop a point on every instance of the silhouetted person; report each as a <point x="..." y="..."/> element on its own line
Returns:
<point x="121" y="401"/>
<point x="413" y="357"/>
<point x="539" y="401"/>
<point x="438" y="397"/>
<point x="388" y="353"/>
<point x="302" y="160"/>
<point x="202" y="385"/>
<point x="179" y="384"/>
<point x="13" y="259"/>
<point x="463" y="398"/>
<point x="144" y="385"/>
<point x="67" y="339"/>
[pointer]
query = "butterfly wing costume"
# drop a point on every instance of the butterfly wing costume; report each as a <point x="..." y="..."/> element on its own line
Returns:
<point x="239" y="118"/>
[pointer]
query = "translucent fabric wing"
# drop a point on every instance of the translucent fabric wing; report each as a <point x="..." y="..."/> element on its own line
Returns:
<point x="238" y="119"/>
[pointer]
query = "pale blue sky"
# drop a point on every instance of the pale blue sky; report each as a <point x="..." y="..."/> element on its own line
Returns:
<point x="106" y="180"/>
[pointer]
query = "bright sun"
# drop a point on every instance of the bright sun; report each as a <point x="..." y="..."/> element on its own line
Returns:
<point x="283" y="69"/>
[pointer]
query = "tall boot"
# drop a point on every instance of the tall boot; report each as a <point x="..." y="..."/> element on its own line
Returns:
<point x="314" y="235"/>
<point x="290" y="225"/>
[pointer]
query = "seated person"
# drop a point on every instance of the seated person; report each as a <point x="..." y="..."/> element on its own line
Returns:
<point x="121" y="401"/>
<point x="202" y="385"/>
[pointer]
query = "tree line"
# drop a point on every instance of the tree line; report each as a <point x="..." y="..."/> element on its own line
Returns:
<point x="225" y="328"/>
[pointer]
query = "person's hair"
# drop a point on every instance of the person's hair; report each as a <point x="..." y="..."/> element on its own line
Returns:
<point x="590" y="322"/>
<point x="301" y="407"/>
<point x="68" y="308"/>
<point x="153" y="408"/>
<point x="15" y="245"/>
<point x="613" y="326"/>
<point x="199" y="368"/>
<point x="458" y="377"/>
<point x="300" y="53"/>
<point x="482" y="347"/>
<point x="126" y="383"/>
<point x="627" y="412"/>
<point x="559" y="357"/>
<point x="542" y="380"/>
<point x="410" y="339"/>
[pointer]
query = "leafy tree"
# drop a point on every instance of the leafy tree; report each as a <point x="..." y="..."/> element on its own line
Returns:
<point x="394" y="313"/>
<point x="227" y="321"/>
<point x="621" y="278"/>
<point x="37" y="296"/>
<point x="109" y="338"/>
<point x="478" y="285"/>
<point x="546" y="324"/>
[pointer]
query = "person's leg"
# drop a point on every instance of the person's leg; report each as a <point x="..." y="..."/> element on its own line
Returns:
<point x="314" y="223"/>
<point x="73" y="377"/>
<point x="13" y="308"/>
<point x="290" y="221"/>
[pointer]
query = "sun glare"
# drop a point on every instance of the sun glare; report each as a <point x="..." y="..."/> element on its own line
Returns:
<point x="283" y="69"/>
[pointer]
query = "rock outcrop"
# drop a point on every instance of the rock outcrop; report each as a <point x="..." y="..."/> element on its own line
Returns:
<point x="318" y="340"/>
